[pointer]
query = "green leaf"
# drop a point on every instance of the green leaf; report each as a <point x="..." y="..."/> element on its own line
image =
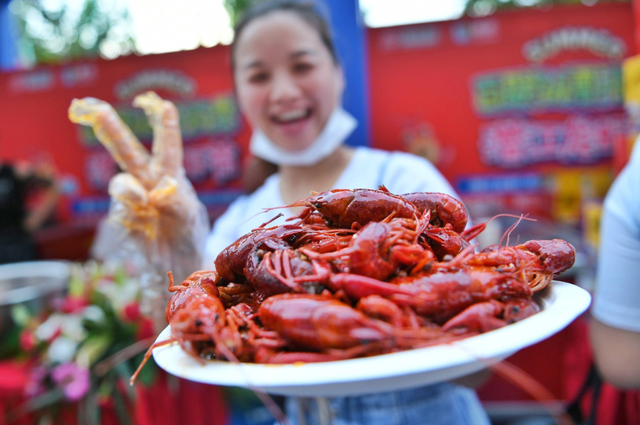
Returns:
<point x="20" y="315"/>
<point x="40" y="402"/>
<point x="10" y="345"/>
<point x="120" y="276"/>
<point x="105" y="387"/>
<point x="121" y="407"/>
<point x="92" y="407"/>
<point x="46" y="419"/>
<point x="76" y="286"/>
<point x="241" y="398"/>
<point x="124" y="372"/>
<point x="236" y="7"/>
<point x="93" y="349"/>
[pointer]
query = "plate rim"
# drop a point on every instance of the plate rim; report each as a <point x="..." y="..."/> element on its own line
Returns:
<point x="561" y="300"/>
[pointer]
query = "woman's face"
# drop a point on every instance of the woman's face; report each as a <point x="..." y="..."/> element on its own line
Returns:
<point x="286" y="80"/>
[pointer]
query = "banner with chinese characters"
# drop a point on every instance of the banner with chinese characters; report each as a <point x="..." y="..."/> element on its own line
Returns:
<point x="522" y="110"/>
<point x="34" y="122"/>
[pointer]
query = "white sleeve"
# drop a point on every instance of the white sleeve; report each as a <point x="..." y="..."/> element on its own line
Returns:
<point x="616" y="299"/>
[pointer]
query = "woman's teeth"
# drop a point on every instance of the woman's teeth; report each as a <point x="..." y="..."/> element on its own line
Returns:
<point x="291" y="115"/>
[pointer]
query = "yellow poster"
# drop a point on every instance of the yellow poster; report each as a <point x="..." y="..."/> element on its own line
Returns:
<point x="631" y="87"/>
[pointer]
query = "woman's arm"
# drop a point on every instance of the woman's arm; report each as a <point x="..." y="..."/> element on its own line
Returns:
<point x="615" y="326"/>
<point x="617" y="354"/>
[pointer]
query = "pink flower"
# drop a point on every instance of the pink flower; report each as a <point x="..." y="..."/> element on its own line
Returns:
<point x="73" y="379"/>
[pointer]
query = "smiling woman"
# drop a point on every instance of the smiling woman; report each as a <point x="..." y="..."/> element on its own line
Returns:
<point x="289" y="84"/>
<point x="287" y="78"/>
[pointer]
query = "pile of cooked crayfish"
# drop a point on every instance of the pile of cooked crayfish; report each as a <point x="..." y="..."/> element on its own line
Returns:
<point x="358" y="273"/>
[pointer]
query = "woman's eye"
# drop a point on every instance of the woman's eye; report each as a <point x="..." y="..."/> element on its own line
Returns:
<point x="259" y="77"/>
<point x="302" y="67"/>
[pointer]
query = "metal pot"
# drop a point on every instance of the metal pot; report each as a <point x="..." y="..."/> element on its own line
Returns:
<point x="32" y="283"/>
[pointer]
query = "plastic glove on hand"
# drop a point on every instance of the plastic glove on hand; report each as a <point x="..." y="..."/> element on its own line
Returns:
<point x="153" y="189"/>
<point x="152" y="199"/>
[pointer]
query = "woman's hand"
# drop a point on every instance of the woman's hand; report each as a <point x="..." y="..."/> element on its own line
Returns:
<point x="153" y="189"/>
<point x="152" y="199"/>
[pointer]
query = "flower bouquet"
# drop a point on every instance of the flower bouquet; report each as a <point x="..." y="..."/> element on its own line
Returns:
<point x="84" y="348"/>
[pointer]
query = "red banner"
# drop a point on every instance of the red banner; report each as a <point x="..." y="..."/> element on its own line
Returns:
<point x="490" y="101"/>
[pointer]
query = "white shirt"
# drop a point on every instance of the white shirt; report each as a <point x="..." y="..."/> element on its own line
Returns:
<point x="616" y="300"/>
<point x="398" y="171"/>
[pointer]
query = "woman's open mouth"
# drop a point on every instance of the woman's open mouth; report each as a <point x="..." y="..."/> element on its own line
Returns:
<point x="292" y="123"/>
<point x="292" y="117"/>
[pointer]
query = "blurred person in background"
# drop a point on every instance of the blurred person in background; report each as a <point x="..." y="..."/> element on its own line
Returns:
<point x="289" y="86"/>
<point x="20" y="182"/>
<point x="615" y="324"/>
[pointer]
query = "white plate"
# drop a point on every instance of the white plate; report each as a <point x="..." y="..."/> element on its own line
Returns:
<point x="561" y="303"/>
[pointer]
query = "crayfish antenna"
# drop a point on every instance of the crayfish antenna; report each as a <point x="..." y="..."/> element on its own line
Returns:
<point x="422" y="224"/>
<point x="147" y="355"/>
<point x="461" y="258"/>
<point x="475" y="230"/>
<point x="299" y="203"/>
<point x="510" y="230"/>
<point x="263" y="224"/>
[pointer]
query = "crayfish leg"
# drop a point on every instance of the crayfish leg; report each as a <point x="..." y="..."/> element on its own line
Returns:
<point x="482" y="317"/>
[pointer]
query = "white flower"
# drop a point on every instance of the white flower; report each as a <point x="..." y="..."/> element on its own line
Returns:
<point x="62" y="350"/>
<point x="119" y="295"/>
<point x="47" y="329"/>
<point x="72" y="327"/>
<point x="93" y="313"/>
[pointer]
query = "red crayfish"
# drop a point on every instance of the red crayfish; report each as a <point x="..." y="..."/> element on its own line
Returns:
<point x="357" y="273"/>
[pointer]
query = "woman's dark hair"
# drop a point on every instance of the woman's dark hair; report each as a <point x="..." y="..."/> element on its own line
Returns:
<point x="307" y="10"/>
